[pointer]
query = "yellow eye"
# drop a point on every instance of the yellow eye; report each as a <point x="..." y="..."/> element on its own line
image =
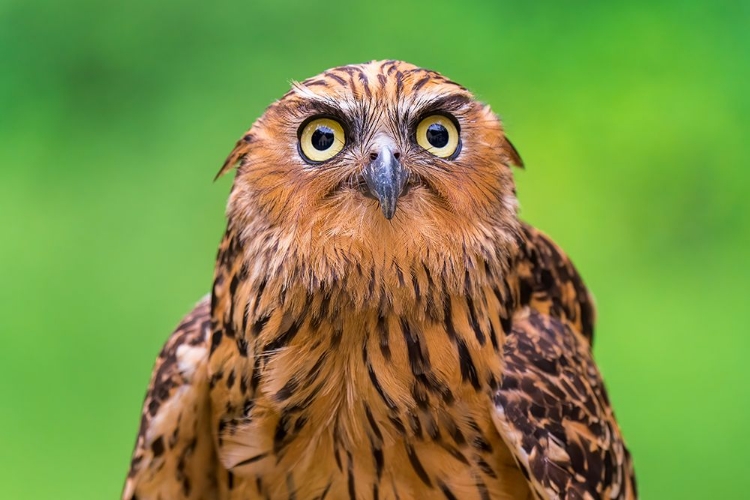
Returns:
<point x="438" y="135"/>
<point x="321" y="139"/>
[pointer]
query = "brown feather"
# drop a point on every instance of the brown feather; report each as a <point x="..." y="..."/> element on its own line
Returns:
<point x="515" y="158"/>
<point x="174" y="455"/>
<point x="355" y="356"/>
<point x="240" y="151"/>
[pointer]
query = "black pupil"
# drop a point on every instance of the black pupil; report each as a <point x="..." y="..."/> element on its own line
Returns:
<point x="322" y="138"/>
<point x="437" y="135"/>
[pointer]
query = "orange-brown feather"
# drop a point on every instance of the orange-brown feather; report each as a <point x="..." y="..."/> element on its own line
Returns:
<point x="351" y="356"/>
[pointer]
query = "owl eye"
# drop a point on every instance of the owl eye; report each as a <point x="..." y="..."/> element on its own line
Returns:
<point x="438" y="134"/>
<point x="321" y="139"/>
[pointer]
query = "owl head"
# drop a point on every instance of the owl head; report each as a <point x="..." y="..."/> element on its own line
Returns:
<point x="383" y="164"/>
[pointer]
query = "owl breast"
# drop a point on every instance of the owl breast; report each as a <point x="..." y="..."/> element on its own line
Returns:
<point x="370" y="405"/>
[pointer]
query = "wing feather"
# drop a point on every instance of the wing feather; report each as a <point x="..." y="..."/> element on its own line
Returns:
<point x="553" y="412"/>
<point x="550" y="283"/>
<point x="174" y="455"/>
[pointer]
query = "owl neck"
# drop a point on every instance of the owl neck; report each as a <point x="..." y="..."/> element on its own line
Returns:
<point x="261" y="269"/>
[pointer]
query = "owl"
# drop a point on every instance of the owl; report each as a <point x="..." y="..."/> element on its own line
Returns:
<point x="381" y="324"/>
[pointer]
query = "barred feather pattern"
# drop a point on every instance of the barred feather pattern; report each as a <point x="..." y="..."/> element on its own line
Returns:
<point x="174" y="444"/>
<point x="443" y="353"/>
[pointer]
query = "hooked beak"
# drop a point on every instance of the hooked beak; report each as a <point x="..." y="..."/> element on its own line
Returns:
<point x="386" y="178"/>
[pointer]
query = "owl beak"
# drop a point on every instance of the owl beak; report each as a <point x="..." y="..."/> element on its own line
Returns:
<point x="386" y="178"/>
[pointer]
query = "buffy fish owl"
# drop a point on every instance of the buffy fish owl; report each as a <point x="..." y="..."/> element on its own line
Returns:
<point x="381" y="324"/>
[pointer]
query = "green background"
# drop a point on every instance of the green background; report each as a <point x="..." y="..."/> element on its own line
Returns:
<point x="632" y="119"/>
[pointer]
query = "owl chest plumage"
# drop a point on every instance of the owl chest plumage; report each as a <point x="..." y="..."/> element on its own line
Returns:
<point x="315" y="400"/>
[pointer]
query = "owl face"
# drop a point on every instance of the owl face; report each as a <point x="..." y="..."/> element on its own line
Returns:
<point x="372" y="155"/>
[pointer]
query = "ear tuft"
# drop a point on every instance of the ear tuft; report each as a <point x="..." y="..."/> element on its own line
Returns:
<point x="513" y="156"/>
<point x="241" y="149"/>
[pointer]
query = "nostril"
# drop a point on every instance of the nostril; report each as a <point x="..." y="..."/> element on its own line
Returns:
<point x="373" y="156"/>
<point x="397" y="155"/>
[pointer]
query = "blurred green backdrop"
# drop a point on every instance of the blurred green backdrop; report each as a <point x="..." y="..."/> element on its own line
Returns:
<point x="632" y="119"/>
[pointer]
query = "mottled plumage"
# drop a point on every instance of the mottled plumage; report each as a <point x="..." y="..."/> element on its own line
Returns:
<point x="381" y="324"/>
